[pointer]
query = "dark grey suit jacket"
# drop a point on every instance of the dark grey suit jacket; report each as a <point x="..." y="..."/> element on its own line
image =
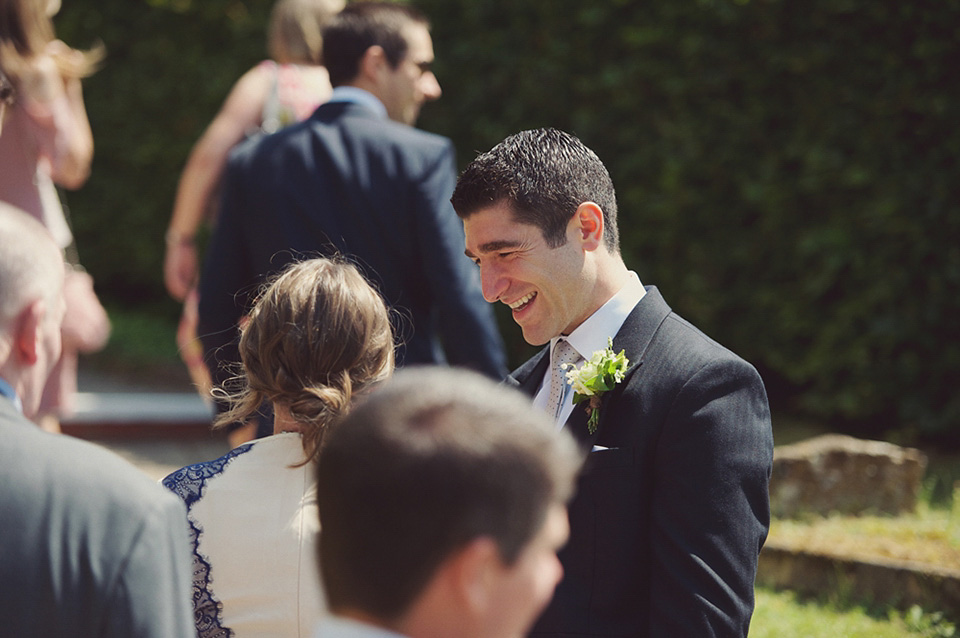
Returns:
<point x="667" y="523"/>
<point x="348" y="181"/>
<point x="89" y="545"/>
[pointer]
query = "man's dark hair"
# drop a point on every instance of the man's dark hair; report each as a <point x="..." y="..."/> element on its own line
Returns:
<point x="361" y="25"/>
<point x="544" y="175"/>
<point x="434" y="459"/>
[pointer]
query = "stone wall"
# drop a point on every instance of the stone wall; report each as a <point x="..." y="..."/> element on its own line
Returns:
<point x="836" y="473"/>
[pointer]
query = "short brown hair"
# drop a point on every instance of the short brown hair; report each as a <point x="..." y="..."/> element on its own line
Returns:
<point x="433" y="459"/>
<point x="360" y="26"/>
<point x="317" y="335"/>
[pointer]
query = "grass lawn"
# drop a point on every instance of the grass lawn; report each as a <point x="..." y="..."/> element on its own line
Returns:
<point x="142" y="349"/>
<point x="930" y="536"/>
<point x="781" y="614"/>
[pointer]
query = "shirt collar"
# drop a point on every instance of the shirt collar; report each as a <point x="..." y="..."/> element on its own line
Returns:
<point x="7" y="390"/>
<point x="592" y="334"/>
<point x="340" y="627"/>
<point x="355" y="95"/>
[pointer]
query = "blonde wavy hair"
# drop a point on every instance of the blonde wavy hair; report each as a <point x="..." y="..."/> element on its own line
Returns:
<point x="295" y="32"/>
<point x="25" y="32"/>
<point x="317" y="335"/>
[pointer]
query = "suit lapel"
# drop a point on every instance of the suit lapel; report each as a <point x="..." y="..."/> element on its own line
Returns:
<point x="527" y="377"/>
<point x="633" y="338"/>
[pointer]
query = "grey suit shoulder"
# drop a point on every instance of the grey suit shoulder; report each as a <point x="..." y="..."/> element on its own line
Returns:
<point x="89" y="545"/>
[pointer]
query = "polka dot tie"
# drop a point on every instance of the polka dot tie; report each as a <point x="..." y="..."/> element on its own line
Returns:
<point x="563" y="353"/>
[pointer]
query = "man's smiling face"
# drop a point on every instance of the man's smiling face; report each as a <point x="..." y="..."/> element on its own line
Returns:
<point x="544" y="286"/>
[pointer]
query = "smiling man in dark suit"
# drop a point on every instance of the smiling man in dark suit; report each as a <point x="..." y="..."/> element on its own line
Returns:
<point x="356" y="178"/>
<point x="672" y="509"/>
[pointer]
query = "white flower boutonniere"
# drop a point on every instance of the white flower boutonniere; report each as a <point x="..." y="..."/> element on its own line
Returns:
<point x="594" y="378"/>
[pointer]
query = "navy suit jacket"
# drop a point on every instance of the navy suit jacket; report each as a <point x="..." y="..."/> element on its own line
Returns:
<point x="348" y="181"/>
<point x="668" y="521"/>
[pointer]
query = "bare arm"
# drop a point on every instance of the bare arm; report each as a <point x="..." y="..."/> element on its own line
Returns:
<point x="240" y="112"/>
<point x="56" y="104"/>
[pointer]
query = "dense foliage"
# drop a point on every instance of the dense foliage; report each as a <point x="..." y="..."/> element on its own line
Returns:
<point x="787" y="172"/>
<point x="168" y="68"/>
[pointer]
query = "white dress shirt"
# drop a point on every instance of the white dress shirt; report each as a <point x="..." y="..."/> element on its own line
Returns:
<point x="340" y="627"/>
<point x="355" y="95"/>
<point x="590" y="336"/>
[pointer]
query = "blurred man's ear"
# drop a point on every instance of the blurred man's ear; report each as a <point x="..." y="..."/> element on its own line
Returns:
<point x="474" y="569"/>
<point x="26" y="332"/>
<point x="373" y="64"/>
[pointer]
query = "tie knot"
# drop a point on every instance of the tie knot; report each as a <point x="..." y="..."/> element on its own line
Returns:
<point x="564" y="353"/>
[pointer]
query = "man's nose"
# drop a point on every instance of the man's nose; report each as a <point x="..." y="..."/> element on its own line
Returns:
<point x="430" y="86"/>
<point x="492" y="282"/>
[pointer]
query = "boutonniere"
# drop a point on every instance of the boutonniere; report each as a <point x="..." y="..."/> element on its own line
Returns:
<point x="596" y="377"/>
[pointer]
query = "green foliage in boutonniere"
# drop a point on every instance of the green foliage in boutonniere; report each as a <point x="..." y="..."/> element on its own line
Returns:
<point x="594" y="378"/>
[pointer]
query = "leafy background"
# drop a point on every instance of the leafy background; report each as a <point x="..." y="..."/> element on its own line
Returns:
<point x="787" y="173"/>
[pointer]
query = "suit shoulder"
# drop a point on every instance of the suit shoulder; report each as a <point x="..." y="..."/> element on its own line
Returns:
<point x="63" y="465"/>
<point x="686" y="346"/>
<point x="406" y="138"/>
<point x="527" y="367"/>
<point x="259" y="147"/>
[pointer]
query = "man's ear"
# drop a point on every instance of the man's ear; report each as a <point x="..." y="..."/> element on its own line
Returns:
<point x="474" y="572"/>
<point x="588" y="221"/>
<point x="372" y="63"/>
<point x="26" y="332"/>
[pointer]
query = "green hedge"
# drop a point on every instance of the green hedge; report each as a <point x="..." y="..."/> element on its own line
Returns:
<point x="787" y="172"/>
<point x="169" y="66"/>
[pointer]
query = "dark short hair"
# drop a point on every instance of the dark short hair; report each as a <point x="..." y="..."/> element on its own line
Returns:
<point x="544" y="175"/>
<point x="434" y="459"/>
<point x="361" y="25"/>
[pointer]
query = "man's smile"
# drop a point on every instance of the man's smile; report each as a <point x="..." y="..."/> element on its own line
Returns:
<point x="522" y="301"/>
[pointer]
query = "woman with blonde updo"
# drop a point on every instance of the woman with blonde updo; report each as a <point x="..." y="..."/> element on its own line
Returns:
<point x="318" y="336"/>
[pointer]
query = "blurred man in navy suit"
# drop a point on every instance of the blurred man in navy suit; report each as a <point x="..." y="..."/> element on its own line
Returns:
<point x="356" y="178"/>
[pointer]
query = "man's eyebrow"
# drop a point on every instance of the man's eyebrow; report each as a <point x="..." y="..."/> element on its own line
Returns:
<point x="494" y="246"/>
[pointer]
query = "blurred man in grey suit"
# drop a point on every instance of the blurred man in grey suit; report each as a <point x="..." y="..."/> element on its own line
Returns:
<point x="89" y="546"/>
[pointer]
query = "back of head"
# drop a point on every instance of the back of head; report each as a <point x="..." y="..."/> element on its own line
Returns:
<point x="432" y="460"/>
<point x="317" y="335"/>
<point x="360" y="26"/>
<point x="295" y="35"/>
<point x="544" y="174"/>
<point x="31" y="266"/>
